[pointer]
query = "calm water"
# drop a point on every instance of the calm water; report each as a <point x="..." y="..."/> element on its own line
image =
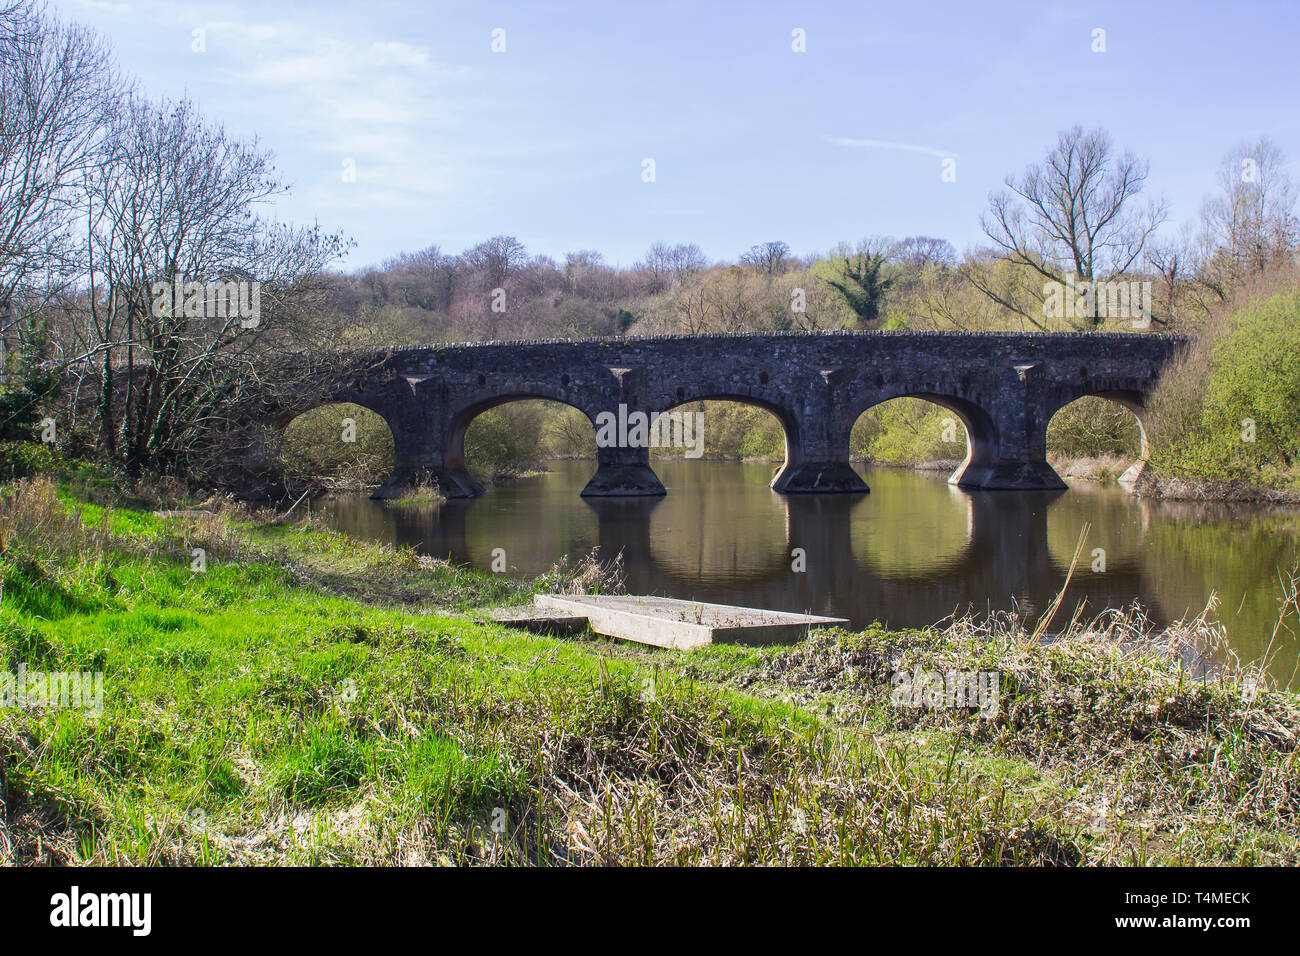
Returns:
<point x="909" y="553"/>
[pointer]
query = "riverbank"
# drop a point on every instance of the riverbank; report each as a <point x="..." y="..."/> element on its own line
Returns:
<point x="1103" y="469"/>
<point x="1154" y="485"/>
<point x="1109" y="469"/>
<point x="518" y="472"/>
<point x="939" y="466"/>
<point x="310" y="698"/>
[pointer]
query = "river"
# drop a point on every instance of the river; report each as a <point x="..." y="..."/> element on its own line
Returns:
<point x="909" y="553"/>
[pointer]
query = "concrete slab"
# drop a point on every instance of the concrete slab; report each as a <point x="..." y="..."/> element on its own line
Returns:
<point x="534" y="619"/>
<point x="669" y="622"/>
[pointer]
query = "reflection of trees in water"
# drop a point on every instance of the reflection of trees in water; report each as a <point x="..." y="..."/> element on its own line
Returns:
<point x="363" y="518"/>
<point x="534" y="520"/>
<point x="910" y="553"/>
<point x="915" y="534"/>
<point x="1117" y="525"/>
<point x="1194" y="549"/>
<point x="719" y="530"/>
<point x="913" y="551"/>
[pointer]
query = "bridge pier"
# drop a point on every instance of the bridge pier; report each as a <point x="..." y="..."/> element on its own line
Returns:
<point x="419" y="460"/>
<point x="1009" y="475"/>
<point x="623" y="473"/>
<point x="1008" y="451"/>
<point x="818" y="478"/>
<point x="817" y="442"/>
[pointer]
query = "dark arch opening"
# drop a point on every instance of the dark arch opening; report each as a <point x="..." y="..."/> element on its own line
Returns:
<point x="339" y="445"/>
<point x="736" y="427"/>
<point x="1097" y="436"/>
<point x="924" y="428"/>
<point x="512" y="435"/>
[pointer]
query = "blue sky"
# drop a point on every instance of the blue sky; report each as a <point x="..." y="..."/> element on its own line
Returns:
<point x="751" y="141"/>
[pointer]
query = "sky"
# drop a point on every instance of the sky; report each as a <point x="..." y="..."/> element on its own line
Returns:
<point x="398" y="124"/>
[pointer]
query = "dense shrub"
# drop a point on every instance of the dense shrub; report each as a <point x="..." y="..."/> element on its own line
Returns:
<point x="734" y="430"/>
<point x="906" y="431"/>
<point x="506" y="438"/>
<point x="1255" y="378"/>
<point x="1092" y="427"/>
<point x="315" y="445"/>
<point x="1232" y="411"/>
<point x="26" y="459"/>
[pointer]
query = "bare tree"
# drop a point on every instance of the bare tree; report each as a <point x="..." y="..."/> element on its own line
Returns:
<point x="57" y="88"/>
<point x="498" y="258"/>
<point x="769" y="258"/>
<point x="1075" y="215"/>
<point x="1179" y="262"/>
<point x="922" y="251"/>
<point x="656" y="264"/>
<point x="668" y="265"/>
<point x="685" y="259"/>
<point x="173" y="231"/>
<point x="1252" y="222"/>
<point x="693" y="305"/>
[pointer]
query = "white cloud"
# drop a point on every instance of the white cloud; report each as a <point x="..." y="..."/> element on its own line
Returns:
<point x="323" y="90"/>
<point x="246" y="32"/>
<point x="887" y="144"/>
<point x="402" y="54"/>
<point x="354" y="98"/>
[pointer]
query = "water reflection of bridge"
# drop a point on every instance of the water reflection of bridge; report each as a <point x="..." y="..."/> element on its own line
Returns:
<point x="983" y="550"/>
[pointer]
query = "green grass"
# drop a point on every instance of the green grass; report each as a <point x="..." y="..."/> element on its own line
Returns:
<point x="313" y="699"/>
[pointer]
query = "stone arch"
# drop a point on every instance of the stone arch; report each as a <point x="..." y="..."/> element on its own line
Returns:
<point x="982" y="437"/>
<point x="281" y="414"/>
<point x="785" y="417"/>
<point x="453" y="451"/>
<point x="1131" y="399"/>
<point x="285" y="418"/>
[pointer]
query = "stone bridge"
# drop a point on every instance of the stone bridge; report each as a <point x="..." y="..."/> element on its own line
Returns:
<point x="1003" y="387"/>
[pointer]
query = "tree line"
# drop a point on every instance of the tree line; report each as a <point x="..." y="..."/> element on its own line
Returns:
<point x="129" y="225"/>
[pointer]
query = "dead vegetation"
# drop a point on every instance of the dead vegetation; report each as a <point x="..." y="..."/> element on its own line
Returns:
<point x="36" y="519"/>
<point x="1160" y="735"/>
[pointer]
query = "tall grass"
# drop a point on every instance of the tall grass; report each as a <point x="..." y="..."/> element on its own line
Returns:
<point x="292" y="705"/>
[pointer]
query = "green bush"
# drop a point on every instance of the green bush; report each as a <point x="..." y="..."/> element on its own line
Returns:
<point x="567" y="432"/>
<point x="315" y="445"/>
<point x="733" y="430"/>
<point x="505" y="438"/>
<point x="1092" y="427"/>
<point x="764" y="439"/>
<point x="1237" y="415"/>
<point x="907" y="431"/>
<point x="26" y="459"/>
<point x="1255" y="377"/>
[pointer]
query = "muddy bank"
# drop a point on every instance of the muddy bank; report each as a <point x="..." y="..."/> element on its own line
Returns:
<point x="1101" y="468"/>
<point x="1172" y="488"/>
<point x="940" y="466"/>
<point x="1142" y="482"/>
